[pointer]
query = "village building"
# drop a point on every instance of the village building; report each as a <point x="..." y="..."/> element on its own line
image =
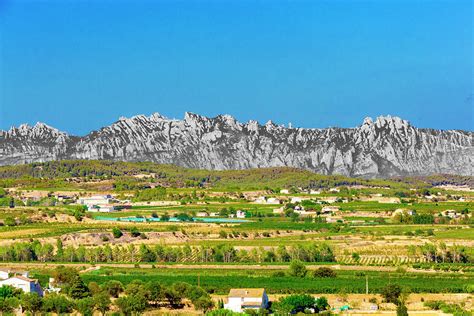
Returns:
<point x="261" y="200"/>
<point x="451" y="214"/>
<point x="95" y="200"/>
<point x="23" y="283"/>
<point x="273" y="201"/>
<point x="202" y="214"/>
<point x="242" y="299"/>
<point x="285" y="191"/>
<point x="101" y="208"/>
<point x="329" y="209"/>
<point x="240" y="214"/>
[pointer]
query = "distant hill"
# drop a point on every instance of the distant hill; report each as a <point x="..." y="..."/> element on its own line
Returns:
<point x="386" y="147"/>
<point x="282" y="177"/>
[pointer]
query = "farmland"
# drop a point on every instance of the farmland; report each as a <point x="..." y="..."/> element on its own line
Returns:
<point x="238" y="229"/>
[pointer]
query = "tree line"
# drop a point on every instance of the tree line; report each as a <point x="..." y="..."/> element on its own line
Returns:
<point x="46" y="252"/>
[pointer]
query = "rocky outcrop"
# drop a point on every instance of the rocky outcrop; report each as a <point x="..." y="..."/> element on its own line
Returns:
<point x="388" y="146"/>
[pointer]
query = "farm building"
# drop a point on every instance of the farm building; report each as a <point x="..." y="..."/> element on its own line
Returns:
<point x="329" y="209"/>
<point x="240" y="214"/>
<point x="101" y="208"/>
<point x="23" y="283"/>
<point x="95" y="200"/>
<point x="241" y="299"/>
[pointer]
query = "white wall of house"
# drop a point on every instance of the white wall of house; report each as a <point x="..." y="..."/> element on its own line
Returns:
<point x="239" y="304"/>
<point x="23" y="284"/>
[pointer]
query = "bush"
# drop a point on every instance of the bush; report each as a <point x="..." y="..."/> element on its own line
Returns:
<point x="324" y="272"/>
<point x="298" y="269"/>
<point x="134" y="232"/>
<point x="391" y="293"/>
<point x="117" y="232"/>
<point x="278" y="274"/>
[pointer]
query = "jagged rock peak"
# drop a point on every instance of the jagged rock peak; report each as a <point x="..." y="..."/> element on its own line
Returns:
<point x="384" y="147"/>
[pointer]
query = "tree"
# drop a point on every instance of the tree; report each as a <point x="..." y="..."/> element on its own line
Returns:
<point x="322" y="304"/>
<point x="391" y="293"/>
<point x="132" y="304"/>
<point x="402" y="310"/>
<point x="174" y="297"/>
<point x="298" y="269"/>
<point x="56" y="303"/>
<point x="293" y="304"/>
<point x="204" y="303"/>
<point x="102" y="302"/>
<point x="8" y="304"/>
<point x="78" y="289"/>
<point x="7" y="291"/>
<point x="85" y="306"/>
<point x="155" y="291"/>
<point x="113" y="288"/>
<point x="324" y="272"/>
<point x="31" y="302"/>
<point x="64" y="276"/>
<point x="116" y="232"/>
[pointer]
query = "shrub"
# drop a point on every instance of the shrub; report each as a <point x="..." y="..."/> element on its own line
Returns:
<point x="117" y="232"/>
<point x="298" y="269"/>
<point x="324" y="272"/>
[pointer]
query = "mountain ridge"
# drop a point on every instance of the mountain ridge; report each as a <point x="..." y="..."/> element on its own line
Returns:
<point x="385" y="147"/>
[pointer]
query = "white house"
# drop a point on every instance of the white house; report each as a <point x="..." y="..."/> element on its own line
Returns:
<point x="26" y="284"/>
<point x="214" y="214"/>
<point x="273" y="200"/>
<point x="240" y="214"/>
<point x="202" y="214"/>
<point x="102" y="208"/>
<point x="329" y="209"/>
<point x="451" y="213"/>
<point x="242" y="299"/>
<point x="95" y="200"/>
<point x="4" y="274"/>
<point x="314" y="192"/>
<point x="296" y="199"/>
<point x="261" y="200"/>
<point x="285" y="191"/>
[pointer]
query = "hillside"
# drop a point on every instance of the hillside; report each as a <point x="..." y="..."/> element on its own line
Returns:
<point x="179" y="176"/>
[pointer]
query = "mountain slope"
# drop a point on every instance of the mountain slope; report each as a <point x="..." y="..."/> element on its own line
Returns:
<point x="388" y="146"/>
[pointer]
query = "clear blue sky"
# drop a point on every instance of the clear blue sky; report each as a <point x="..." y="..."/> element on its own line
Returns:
<point x="79" y="65"/>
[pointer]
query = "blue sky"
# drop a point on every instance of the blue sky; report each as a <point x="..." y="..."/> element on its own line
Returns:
<point x="80" y="65"/>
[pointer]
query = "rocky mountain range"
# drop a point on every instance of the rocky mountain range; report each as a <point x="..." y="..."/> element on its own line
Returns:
<point x="384" y="147"/>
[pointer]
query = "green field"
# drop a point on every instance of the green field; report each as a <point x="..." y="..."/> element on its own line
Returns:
<point x="349" y="281"/>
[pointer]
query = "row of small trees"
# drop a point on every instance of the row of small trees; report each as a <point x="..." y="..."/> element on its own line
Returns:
<point x="45" y="252"/>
